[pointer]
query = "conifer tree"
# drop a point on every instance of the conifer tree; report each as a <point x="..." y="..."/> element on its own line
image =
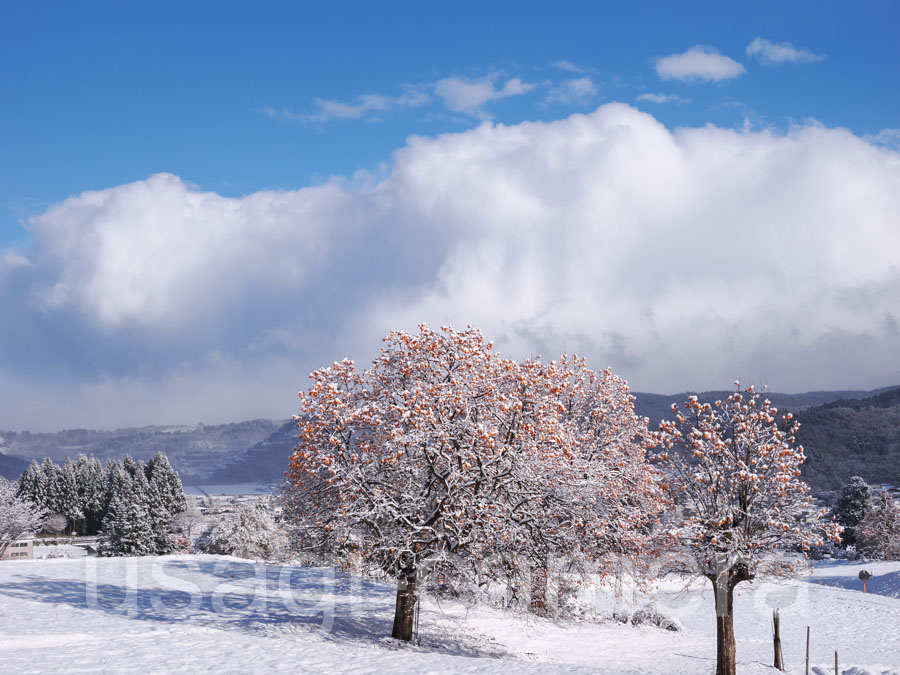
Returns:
<point x="91" y="487"/>
<point x="127" y="530"/>
<point x="31" y="485"/>
<point x="67" y="497"/>
<point x="165" y="479"/>
<point x="854" y="504"/>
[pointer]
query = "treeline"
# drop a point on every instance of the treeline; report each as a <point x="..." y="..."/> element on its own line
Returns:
<point x="130" y="504"/>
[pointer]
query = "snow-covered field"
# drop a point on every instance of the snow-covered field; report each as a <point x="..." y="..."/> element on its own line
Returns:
<point x="254" y="489"/>
<point x="228" y="615"/>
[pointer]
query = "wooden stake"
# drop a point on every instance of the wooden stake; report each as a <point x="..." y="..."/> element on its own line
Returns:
<point x="776" y="621"/>
<point x="835" y="663"/>
<point x="807" y="650"/>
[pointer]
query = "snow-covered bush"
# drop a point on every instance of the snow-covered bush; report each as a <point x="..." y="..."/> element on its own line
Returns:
<point x="878" y="534"/>
<point x="248" y="532"/>
<point x="17" y="515"/>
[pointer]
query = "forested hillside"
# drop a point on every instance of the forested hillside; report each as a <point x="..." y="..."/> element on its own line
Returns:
<point x="852" y="438"/>
<point x="194" y="451"/>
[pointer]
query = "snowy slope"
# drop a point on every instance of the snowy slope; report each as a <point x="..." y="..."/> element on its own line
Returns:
<point x="227" y="615"/>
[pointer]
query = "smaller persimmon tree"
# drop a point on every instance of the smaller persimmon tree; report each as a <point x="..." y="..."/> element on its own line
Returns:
<point x="747" y="512"/>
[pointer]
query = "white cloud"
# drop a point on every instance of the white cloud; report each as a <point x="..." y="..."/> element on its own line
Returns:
<point x="457" y="94"/>
<point x="776" y="53"/>
<point x="889" y="138"/>
<point x="469" y="96"/>
<point x="574" y="90"/>
<point x="568" y="66"/>
<point x="699" y="63"/>
<point x="681" y="259"/>
<point x="363" y="107"/>
<point x="663" y="98"/>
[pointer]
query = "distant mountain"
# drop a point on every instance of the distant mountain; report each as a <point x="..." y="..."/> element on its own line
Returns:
<point x="265" y="462"/>
<point x="11" y="467"/>
<point x="658" y="406"/>
<point x="195" y="452"/>
<point x="845" y="433"/>
<point x="268" y="460"/>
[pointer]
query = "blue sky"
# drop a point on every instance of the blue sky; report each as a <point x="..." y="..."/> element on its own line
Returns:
<point x="318" y="121"/>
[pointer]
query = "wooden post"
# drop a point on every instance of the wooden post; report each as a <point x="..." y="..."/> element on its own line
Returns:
<point x="835" y="663"/>
<point x="776" y="621"/>
<point x="807" y="650"/>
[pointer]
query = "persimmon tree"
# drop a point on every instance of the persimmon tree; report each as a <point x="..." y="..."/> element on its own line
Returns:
<point x="444" y="450"/>
<point x="746" y="510"/>
<point x="593" y="497"/>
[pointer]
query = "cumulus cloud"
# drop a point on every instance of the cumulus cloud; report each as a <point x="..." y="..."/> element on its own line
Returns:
<point x="573" y="90"/>
<point x="887" y="137"/>
<point x="771" y="53"/>
<point x="682" y="259"/>
<point x="663" y="98"/>
<point x="699" y="64"/>
<point x="469" y="96"/>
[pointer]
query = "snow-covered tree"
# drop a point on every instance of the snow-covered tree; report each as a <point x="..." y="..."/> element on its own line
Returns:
<point x="248" y="532"/>
<point x="165" y="480"/>
<point x="741" y="474"/>
<point x="56" y="523"/>
<point x="91" y="486"/>
<point x="854" y="504"/>
<point x="878" y="533"/>
<point x="17" y="515"/>
<point x="589" y="495"/>
<point x="32" y="484"/>
<point x="127" y="529"/>
<point x="443" y="449"/>
<point x="68" y="499"/>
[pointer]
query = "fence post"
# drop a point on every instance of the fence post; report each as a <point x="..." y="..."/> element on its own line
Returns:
<point x="776" y="621"/>
<point x="807" y="650"/>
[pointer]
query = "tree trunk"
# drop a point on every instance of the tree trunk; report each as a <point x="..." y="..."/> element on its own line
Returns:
<point x="538" y="603"/>
<point x="725" y="650"/>
<point x="405" y="611"/>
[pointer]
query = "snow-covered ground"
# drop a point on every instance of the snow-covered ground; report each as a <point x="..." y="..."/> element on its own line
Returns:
<point x="228" y="615"/>
<point x="236" y="490"/>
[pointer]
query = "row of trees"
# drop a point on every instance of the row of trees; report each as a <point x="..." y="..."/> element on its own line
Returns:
<point x="129" y="503"/>
<point x="443" y="456"/>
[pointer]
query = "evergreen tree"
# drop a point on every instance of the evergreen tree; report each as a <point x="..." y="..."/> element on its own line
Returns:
<point x="50" y="484"/>
<point x="854" y="504"/>
<point x="31" y="484"/>
<point x="127" y="530"/>
<point x="91" y="488"/>
<point x="67" y="497"/>
<point x="167" y="483"/>
<point x="117" y="483"/>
